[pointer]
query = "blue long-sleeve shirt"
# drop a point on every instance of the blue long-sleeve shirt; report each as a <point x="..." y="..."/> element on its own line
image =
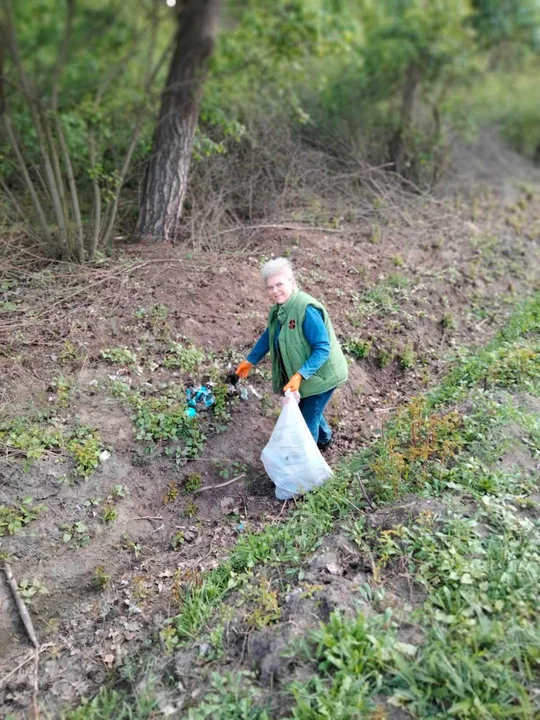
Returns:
<point x="316" y="335"/>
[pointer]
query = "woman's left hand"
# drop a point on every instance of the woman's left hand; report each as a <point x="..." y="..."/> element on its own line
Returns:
<point x="294" y="383"/>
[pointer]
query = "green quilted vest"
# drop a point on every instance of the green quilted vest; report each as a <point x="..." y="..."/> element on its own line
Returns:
<point x="295" y="349"/>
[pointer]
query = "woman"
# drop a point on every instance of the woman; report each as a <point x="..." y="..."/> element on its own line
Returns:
<point x="306" y="356"/>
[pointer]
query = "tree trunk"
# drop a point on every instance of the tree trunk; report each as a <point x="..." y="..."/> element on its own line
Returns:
<point x="167" y="171"/>
<point x="408" y="98"/>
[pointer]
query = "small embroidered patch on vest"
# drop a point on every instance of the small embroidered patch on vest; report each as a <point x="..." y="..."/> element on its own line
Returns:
<point x="292" y="324"/>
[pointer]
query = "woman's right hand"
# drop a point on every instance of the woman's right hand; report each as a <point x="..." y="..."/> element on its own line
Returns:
<point x="243" y="369"/>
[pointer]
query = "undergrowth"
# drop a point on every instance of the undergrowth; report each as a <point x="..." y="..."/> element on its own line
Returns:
<point x="30" y="438"/>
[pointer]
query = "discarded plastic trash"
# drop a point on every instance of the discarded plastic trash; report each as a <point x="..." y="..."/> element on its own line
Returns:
<point x="199" y="398"/>
<point x="291" y="458"/>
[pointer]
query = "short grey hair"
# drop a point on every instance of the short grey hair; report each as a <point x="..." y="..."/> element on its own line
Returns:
<point x="275" y="267"/>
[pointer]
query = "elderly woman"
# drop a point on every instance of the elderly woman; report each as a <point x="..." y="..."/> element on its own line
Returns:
<point x="306" y="356"/>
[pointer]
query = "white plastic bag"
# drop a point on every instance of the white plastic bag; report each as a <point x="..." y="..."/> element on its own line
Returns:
<point x="291" y="458"/>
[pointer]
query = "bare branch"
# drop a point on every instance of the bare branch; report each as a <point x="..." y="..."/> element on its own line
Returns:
<point x="62" y="54"/>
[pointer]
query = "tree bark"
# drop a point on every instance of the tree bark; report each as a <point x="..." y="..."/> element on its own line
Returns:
<point x="166" y="176"/>
<point x="408" y="98"/>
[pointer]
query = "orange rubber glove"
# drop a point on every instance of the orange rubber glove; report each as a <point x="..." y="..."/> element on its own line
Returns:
<point x="243" y="369"/>
<point x="294" y="383"/>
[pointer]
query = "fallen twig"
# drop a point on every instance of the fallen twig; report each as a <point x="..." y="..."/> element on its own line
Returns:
<point x="29" y="627"/>
<point x="219" y="485"/>
<point x="281" y="511"/>
<point x="21" y="606"/>
<point x="24" y="662"/>
<point x="364" y="493"/>
<point x="147" y="517"/>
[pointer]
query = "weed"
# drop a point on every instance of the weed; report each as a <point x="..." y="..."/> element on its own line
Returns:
<point x="407" y="357"/>
<point x="266" y="405"/>
<point x="112" y="704"/>
<point x="177" y="540"/>
<point x="119" y="356"/>
<point x="163" y="417"/>
<point x="154" y="313"/>
<point x="62" y="388"/>
<point x="68" y="353"/>
<point x="192" y="483"/>
<point x="358" y="347"/>
<point x="230" y="469"/>
<point x="221" y="407"/>
<point x="375" y="236"/>
<point x="398" y="261"/>
<point x="384" y="356"/>
<point x="127" y="543"/>
<point x="101" y="577"/>
<point x="30" y="439"/>
<point x="76" y="533"/>
<point x="448" y="322"/>
<point x="171" y="494"/>
<point x="119" y="491"/>
<point x="265" y="606"/>
<point x="28" y="589"/>
<point x="232" y="697"/>
<point x="190" y="509"/>
<point x="186" y="358"/>
<point x="13" y="518"/>
<point x="110" y="513"/>
<point x="85" y="445"/>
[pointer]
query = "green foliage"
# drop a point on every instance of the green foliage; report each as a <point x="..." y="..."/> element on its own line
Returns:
<point x="13" y="518"/>
<point x="110" y="703"/>
<point x="231" y="698"/>
<point x="119" y="356"/>
<point x="76" y="534"/>
<point x="385" y="355"/>
<point x="32" y="439"/>
<point x="358" y="347"/>
<point x="350" y="659"/>
<point x="101" y="577"/>
<point x="407" y="357"/>
<point x="28" y="589"/>
<point x="86" y="447"/>
<point x="448" y="321"/>
<point x="186" y="358"/>
<point x="192" y="483"/>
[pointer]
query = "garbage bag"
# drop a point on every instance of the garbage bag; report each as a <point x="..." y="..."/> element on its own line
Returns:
<point x="291" y="458"/>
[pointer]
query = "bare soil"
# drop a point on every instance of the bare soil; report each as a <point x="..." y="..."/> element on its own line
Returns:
<point x="440" y="276"/>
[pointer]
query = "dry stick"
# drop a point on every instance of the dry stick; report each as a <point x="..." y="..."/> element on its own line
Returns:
<point x="24" y="662"/>
<point x="73" y="190"/>
<point x="366" y="496"/>
<point x="220" y="485"/>
<point x="147" y="517"/>
<point x="97" y="195"/>
<point x="21" y="607"/>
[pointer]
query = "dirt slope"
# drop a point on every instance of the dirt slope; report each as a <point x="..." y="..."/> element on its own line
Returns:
<point x="404" y="293"/>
